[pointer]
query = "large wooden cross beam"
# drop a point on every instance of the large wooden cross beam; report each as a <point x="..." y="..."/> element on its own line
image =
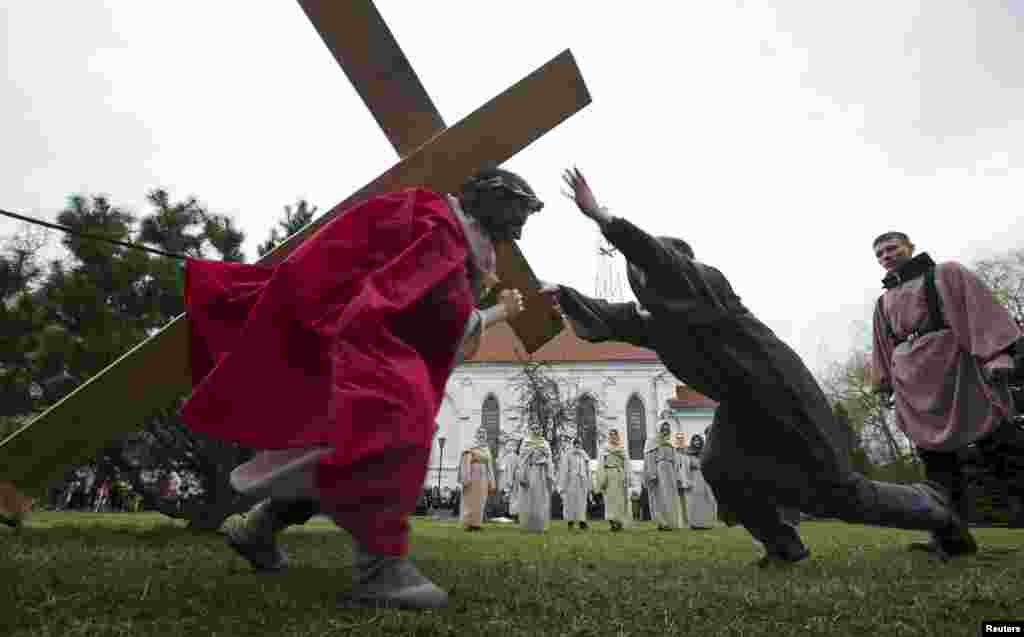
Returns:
<point x="156" y="372"/>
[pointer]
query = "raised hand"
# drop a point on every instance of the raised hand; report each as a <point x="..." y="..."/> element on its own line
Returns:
<point x="580" y="192"/>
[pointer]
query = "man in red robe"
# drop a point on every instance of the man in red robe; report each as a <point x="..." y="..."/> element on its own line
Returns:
<point x="943" y="352"/>
<point x="335" y="362"/>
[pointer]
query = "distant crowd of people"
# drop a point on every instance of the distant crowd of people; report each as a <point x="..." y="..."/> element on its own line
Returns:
<point x="85" y="490"/>
<point x="434" y="499"/>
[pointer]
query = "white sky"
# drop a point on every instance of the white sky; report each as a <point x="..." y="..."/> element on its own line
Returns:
<point x="778" y="138"/>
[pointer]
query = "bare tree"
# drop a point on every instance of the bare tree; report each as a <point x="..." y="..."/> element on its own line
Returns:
<point x="549" y="405"/>
<point x="851" y="384"/>
<point x="1005" y="276"/>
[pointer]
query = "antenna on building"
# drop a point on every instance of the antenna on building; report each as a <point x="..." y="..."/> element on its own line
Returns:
<point x="607" y="273"/>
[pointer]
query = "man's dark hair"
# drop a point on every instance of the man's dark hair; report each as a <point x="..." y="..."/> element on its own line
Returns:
<point x="490" y="172"/>
<point x="481" y="196"/>
<point x="889" y="236"/>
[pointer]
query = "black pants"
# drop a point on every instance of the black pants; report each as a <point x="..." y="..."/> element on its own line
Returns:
<point x="761" y="467"/>
<point x="1002" y="451"/>
<point x="947" y="469"/>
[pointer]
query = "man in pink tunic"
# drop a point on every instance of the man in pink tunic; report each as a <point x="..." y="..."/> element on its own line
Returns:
<point x="943" y="351"/>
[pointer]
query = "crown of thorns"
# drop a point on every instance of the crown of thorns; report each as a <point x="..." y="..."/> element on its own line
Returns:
<point x="500" y="183"/>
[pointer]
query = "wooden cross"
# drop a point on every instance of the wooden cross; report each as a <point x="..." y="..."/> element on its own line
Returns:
<point x="156" y="372"/>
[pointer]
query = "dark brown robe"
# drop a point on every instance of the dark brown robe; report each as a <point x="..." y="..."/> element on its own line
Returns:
<point x="773" y="421"/>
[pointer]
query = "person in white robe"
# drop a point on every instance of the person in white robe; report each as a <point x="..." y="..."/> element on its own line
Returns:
<point x="574" y="483"/>
<point x="661" y="473"/>
<point x="506" y="470"/>
<point x="701" y="506"/>
<point x="679" y="442"/>
<point x="535" y="474"/>
<point x="476" y="477"/>
<point x="612" y="479"/>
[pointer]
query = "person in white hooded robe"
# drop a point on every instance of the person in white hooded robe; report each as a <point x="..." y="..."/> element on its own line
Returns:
<point x="574" y="483"/>
<point x="679" y="442"/>
<point x="506" y="470"/>
<point x="701" y="506"/>
<point x="612" y="479"/>
<point x="661" y="473"/>
<point x="535" y="474"/>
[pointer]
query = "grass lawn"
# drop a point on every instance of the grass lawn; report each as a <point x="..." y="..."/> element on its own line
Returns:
<point x="142" y="574"/>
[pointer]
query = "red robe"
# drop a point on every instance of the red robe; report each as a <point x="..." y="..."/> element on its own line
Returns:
<point x="348" y="343"/>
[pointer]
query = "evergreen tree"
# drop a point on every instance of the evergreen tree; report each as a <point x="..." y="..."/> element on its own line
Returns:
<point x="21" y="271"/>
<point x="295" y="219"/>
<point x="106" y="299"/>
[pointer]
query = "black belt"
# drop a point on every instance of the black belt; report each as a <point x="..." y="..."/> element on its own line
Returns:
<point x="916" y="334"/>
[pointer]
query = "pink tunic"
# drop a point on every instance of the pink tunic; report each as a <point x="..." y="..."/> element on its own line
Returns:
<point x="943" y="401"/>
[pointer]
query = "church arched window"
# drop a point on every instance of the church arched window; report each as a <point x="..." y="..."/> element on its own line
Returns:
<point x="586" y="424"/>
<point x="490" y="420"/>
<point x="636" y="423"/>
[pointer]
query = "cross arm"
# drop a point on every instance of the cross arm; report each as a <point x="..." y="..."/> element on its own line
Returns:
<point x="367" y="51"/>
<point x="156" y="372"/>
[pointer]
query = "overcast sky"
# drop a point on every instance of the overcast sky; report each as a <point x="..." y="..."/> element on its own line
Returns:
<point x="778" y="138"/>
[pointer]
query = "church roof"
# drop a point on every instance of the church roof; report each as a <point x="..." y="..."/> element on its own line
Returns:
<point x="687" y="398"/>
<point x="500" y="345"/>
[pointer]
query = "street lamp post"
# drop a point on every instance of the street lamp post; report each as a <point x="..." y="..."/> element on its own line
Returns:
<point x="440" y="463"/>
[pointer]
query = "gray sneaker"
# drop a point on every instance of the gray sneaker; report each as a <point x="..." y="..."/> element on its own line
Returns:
<point x="264" y="556"/>
<point x="254" y="540"/>
<point x="391" y="581"/>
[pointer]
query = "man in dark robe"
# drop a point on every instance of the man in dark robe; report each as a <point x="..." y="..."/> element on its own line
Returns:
<point x="944" y="353"/>
<point x="334" y="363"/>
<point x="774" y="439"/>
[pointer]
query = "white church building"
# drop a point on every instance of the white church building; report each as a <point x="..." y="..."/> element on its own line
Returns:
<point x="620" y="386"/>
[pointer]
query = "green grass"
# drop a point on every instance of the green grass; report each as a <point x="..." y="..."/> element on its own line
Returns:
<point x="142" y="574"/>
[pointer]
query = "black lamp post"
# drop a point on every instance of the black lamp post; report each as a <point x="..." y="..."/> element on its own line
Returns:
<point x="440" y="442"/>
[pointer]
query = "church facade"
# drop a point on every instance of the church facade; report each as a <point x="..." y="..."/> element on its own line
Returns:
<point x="619" y="386"/>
